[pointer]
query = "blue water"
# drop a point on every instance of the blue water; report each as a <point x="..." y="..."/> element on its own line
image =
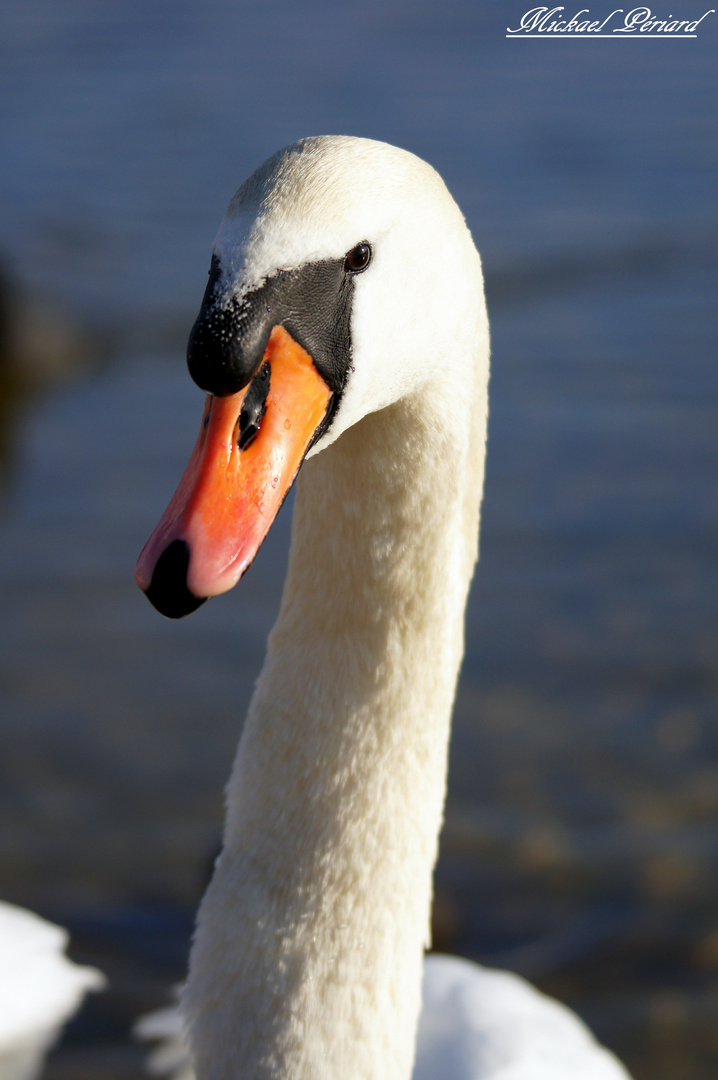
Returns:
<point x="580" y="844"/>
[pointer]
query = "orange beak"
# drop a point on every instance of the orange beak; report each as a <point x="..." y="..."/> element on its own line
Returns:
<point x="236" y="480"/>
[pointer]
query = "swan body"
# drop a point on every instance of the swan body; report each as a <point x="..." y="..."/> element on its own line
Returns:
<point x="475" y="1024"/>
<point x="40" y="989"/>
<point x="344" y="274"/>
<point x="481" y="1024"/>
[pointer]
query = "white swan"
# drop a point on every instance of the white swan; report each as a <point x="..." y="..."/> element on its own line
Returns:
<point x="40" y="989"/>
<point x="344" y="320"/>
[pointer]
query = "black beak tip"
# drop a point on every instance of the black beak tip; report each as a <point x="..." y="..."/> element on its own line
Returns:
<point x="168" y="590"/>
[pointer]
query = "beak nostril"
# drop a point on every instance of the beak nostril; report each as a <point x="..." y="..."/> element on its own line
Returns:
<point x="168" y="590"/>
<point x="254" y="407"/>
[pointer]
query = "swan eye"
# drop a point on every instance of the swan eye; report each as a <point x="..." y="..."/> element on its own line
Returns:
<point x="358" y="258"/>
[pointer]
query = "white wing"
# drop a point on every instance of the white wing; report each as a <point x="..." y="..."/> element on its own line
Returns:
<point x="480" y="1024"/>
<point x="39" y="990"/>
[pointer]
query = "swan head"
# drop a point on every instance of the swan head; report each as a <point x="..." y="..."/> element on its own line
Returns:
<point x="343" y="279"/>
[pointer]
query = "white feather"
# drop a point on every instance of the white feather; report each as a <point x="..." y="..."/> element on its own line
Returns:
<point x="475" y="1024"/>
<point x="40" y="989"/>
<point x="307" y="962"/>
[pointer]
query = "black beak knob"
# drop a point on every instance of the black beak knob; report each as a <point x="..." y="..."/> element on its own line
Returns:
<point x="228" y="339"/>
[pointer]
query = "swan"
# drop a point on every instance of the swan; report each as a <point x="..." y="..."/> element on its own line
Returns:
<point x="344" y="327"/>
<point x="40" y="989"/>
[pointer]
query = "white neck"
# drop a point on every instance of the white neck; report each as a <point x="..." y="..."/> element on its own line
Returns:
<point x="307" y="958"/>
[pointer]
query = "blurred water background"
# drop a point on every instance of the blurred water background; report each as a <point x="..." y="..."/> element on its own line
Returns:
<point x="580" y="842"/>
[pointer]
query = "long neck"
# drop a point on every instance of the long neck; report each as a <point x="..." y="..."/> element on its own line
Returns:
<point x="307" y="958"/>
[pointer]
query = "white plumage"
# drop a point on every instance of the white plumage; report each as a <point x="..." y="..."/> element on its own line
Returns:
<point x="307" y="962"/>
<point x="475" y="1024"/>
<point x="40" y="989"/>
<point x="480" y="1024"/>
